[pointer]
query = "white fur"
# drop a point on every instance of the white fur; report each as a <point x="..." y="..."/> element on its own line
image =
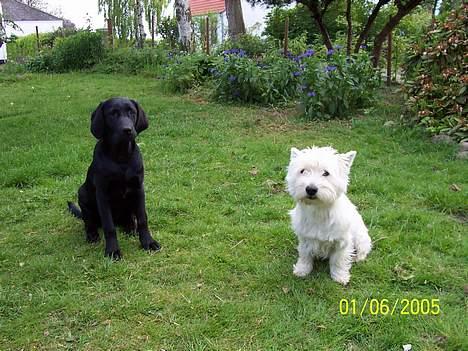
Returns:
<point x="327" y="224"/>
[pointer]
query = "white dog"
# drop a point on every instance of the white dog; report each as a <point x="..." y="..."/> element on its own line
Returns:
<point x="325" y="221"/>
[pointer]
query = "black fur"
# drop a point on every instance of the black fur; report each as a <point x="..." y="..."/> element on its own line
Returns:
<point x="113" y="192"/>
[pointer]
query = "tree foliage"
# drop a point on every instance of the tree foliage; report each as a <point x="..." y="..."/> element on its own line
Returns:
<point x="124" y="15"/>
<point x="318" y="9"/>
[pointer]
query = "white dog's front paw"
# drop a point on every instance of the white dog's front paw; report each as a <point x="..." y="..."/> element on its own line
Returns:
<point x="302" y="269"/>
<point x="341" y="276"/>
<point x="361" y="255"/>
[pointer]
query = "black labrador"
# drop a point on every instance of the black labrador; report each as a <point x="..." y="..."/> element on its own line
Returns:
<point x="113" y="193"/>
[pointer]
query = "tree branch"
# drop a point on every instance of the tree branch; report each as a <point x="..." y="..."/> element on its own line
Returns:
<point x="391" y="24"/>
<point x="369" y="24"/>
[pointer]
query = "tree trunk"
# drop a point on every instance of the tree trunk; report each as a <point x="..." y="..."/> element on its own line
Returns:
<point x="317" y="15"/>
<point x="403" y="10"/>
<point x="349" y="30"/>
<point x="184" y="23"/>
<point x="369" y="23"/>
<point x="140" y="33"/>
<point x="434" y="8"/>
<point x="153" y="31"/>
<point x="235" y="18"/>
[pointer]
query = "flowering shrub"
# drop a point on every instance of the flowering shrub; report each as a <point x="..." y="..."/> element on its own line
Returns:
<point x="328" y="84"/>
<point x="273" y="80"/>
<point x="333" y="84"/>
<point x="437" y="78"/>
<point x="184" y="72"/>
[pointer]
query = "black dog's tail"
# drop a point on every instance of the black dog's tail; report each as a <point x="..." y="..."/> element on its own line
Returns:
<point x="74" y="210"/>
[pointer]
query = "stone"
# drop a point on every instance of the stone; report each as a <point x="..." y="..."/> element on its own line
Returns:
<point x="462" y="155"/>
<point x="463" y="146"/>
<point x="442" y="139"/>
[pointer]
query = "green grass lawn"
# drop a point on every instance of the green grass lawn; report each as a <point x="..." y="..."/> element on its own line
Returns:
<point x="215" y="201"/>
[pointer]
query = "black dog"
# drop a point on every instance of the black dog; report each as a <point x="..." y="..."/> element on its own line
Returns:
<point x="113" y="191"/>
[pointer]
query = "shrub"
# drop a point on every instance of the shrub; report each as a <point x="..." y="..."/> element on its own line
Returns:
<point x="19" y="49"/>
<point x="184" y="72"/>
<point x="436" y="78"/>
<point x="169" y="31"/>
<point x="271" y="81"/>
<point x="79" y="51"/>
<point x="250" y="44"/>
<point x="333" y="84"/>
<point x="132" y="61"/>
<point x="299" y="23"/>
<point x="44" y="62"/>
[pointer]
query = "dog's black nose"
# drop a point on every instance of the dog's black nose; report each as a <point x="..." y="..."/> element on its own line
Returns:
<point x="311" y="190"/>
<point x="127" y="131"/>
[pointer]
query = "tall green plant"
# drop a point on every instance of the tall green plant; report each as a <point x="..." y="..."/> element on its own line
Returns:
<point x="436" y="77"/>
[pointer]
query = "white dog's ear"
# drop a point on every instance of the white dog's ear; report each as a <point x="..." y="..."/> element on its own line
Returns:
<point x="348" y="159"/>
<point x="294" y="152"/>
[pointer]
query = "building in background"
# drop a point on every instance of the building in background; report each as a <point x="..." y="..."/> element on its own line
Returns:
<point x="26" y="18"/>
<point x="19" y="19"/>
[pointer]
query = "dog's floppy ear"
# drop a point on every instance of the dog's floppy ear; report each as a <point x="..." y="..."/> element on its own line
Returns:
<point x="141" y="122"/>
<point x="97" y="122"/>
<point x="294" y="152"/>
<point x="348" y="159"/>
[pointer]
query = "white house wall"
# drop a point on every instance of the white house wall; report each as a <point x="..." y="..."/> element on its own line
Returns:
<point x="29" y="27"/>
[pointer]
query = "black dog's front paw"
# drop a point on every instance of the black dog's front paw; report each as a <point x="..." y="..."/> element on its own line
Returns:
<point x="113" y="254"/>
<point x="151" y="244"/>
<point x="92" y="237"/>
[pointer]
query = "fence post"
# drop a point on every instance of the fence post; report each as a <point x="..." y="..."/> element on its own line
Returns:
<point x="110" y="35"/>
<point x="389" y="59"/>
<point x="286" y="34"/>
<point x="152" y="28"/>
<point x="207" y="34"/>
<point x="37" y="39"/>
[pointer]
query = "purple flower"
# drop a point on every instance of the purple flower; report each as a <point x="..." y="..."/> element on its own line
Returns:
<point x="338" y="47"/>
<point x="309" y="52"/>
<point x="311" y="93"/>
<point x="330" y="68"/>
<point x="232" y="78"/>
<point x="363" y="46"/>
<point x="239" y="52"/>
<point x="296" y="74"/>
<point x="330" y="52"/>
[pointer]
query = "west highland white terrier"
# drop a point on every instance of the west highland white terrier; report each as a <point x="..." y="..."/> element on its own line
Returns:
<point x="325" y="221"/>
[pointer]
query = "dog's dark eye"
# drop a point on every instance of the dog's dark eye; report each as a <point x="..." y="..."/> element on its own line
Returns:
<point x="302" y="171"/>
<point x="326" y="174"/>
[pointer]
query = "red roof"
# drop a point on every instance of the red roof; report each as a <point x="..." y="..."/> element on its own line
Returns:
<point x="203" y="7"/>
